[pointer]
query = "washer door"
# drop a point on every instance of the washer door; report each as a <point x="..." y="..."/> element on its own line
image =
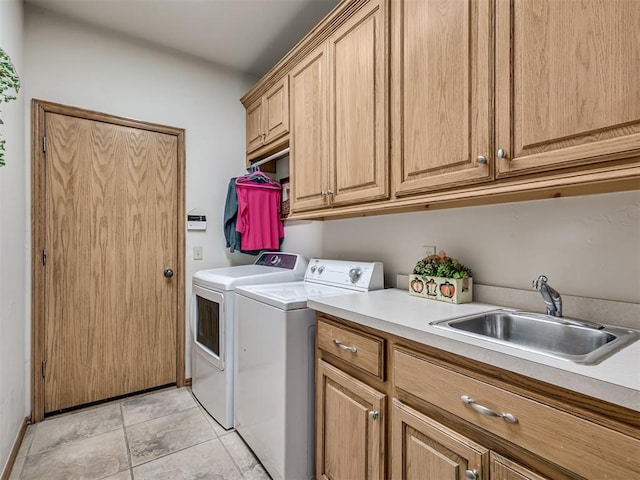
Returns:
<point x="208" y="325"/>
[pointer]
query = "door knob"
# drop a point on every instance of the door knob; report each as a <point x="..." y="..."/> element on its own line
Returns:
<point x="168" y="273"/>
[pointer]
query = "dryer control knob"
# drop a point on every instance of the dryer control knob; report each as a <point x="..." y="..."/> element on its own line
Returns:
<point x="355" y="274"/>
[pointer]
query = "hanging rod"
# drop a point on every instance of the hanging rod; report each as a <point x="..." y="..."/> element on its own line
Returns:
<point x="275" y="156"/>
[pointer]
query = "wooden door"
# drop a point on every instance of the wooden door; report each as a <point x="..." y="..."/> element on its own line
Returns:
<point x="255" y="130"/>
<point x="566" y="83"/>
<point x="358" y="105"/>
<point x="111" y="198"/>
<point x="309" y="132"/>
<point x="423" y="449"/>
<point x="504" y="469"/>
<point x="276" y="111"/>
<point x="441" y="103"/>
<point x="350" y="431"/>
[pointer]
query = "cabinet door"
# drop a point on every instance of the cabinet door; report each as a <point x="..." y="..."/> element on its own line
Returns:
<point x="504" y="469"/>
<point x="276" y="110"/>
<point x="358" y="108"/>
<point x="423" y="449"/>
<point x="309" y="165"/>
<point x="441" y="103"/>
<point x="254" y="126"/>
<point x="350" y="433"/>
<point x="566" y="83"/>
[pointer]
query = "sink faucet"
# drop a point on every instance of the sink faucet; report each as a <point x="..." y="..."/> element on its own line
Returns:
<point x="551" y="297"/>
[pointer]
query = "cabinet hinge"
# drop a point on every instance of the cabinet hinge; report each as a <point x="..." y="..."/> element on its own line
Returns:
<point x="44" y="256"/>
<point x="44" y="368"/>
<point x="44" y="144"/>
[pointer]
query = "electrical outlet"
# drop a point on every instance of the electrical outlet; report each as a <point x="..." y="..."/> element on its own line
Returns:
<point x="197" y="253"/>
<point x="429" y="250"/>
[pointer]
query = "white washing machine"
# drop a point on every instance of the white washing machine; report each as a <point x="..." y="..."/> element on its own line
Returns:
<point x="275" y="362"/>
<point x="212" y="326"/>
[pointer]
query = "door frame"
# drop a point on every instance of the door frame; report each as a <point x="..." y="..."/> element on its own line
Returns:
<point x="39" y="108"/>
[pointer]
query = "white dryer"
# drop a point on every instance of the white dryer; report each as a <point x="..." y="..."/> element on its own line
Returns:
<point x="275" y="362"/>
<point x="213" y="330"/>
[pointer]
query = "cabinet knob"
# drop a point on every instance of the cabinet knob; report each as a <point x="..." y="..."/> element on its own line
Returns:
<point x="471" y="475"/>
<point x="329" y="192"/>
<point x="168" y="273"/>
<point x="481" y="159"/>
<point x="502" y="153"/>
<point x="323" y="193"/>
<point x="373" y="415"/>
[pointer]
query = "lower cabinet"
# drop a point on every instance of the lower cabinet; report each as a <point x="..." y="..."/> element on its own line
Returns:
<point x="423" y="449"/>
<point x="417" y="413"/>
<point x="350" y="431"/>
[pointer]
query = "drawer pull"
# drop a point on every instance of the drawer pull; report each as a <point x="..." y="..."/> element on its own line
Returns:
<point x="342" y="346"/>
<point x="487" y="411"/>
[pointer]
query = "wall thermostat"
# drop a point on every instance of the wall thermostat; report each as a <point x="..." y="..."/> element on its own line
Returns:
<point x="196" y="222"/>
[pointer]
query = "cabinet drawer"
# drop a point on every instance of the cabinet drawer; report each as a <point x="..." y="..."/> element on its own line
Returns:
<point x="583" y="447"/>
<point x="363" y="351"/>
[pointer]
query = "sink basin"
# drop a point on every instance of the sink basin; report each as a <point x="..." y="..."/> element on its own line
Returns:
<point x="558" y="337"/>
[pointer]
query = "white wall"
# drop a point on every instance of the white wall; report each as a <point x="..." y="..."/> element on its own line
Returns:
<point x="74" y="64"/>
<point x="587" y="246"/>
<point x="13" y="238"/>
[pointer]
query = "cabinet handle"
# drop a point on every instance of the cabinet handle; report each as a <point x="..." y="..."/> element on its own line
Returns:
<point x="471" y="475"/>
<point x="329" y="192"/>
<point x="481" y="159"/>
<point x="342" y="346"/>
<point x="507" y="417"/>
<point x="323" y="193"/>
<point x="373" y="415"/>
<point x="502" y="153"/>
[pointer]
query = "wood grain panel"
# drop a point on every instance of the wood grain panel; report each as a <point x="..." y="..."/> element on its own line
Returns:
<point x="309" y="131"/>
<point x="358" y="103"/>
<point x="441" y="101"/>
<point x="571" y="96"/>
<point x="555" y="435"/>
<point x="111" y="230"/>
<point x="369" y="354"/>
<point x="350" y="444"/>
<point x="276" y="111"/>
<point x="424" y="449"/>
<point x="254" y="125"/>
<point x="504" y="469"/>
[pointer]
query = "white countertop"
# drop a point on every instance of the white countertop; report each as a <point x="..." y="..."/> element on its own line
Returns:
<point x="616" y="379"/>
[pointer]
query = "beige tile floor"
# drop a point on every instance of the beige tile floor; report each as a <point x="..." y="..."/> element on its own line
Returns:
<point x="161" y="436"/>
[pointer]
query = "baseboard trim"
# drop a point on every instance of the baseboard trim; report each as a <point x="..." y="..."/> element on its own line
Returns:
<point x="6" y="471"/>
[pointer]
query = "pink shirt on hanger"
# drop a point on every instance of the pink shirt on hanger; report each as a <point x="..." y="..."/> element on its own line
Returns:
<point x="259" y="217"/>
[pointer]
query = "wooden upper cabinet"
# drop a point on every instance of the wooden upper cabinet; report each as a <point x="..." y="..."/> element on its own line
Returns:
<point x="254" y="126"/>
<point x="567" y="76"/>
<point x="358" y="137"/>
<point x="309" y="165"/>
<point x="267" y="118"/>
<point x="339" y="141"/>
<point x="276" y="110"/>
<point x="441" y="57"/>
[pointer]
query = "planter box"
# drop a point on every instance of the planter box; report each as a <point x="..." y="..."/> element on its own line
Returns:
<point x="452" y="290"/>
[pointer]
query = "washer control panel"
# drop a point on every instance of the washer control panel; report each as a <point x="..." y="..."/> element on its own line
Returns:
<point x="361" y="276"/>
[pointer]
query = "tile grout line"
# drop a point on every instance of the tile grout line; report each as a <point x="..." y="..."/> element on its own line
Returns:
<point x="233" y="459"/>
<point x="126" y="442"/>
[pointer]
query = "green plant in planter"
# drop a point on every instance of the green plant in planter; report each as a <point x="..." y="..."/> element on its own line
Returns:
<point x="9" y="88"/>
<point x="442" y="266"/>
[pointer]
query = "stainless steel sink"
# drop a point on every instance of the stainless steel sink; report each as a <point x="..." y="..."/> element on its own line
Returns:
<point x="565" y="338"/>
